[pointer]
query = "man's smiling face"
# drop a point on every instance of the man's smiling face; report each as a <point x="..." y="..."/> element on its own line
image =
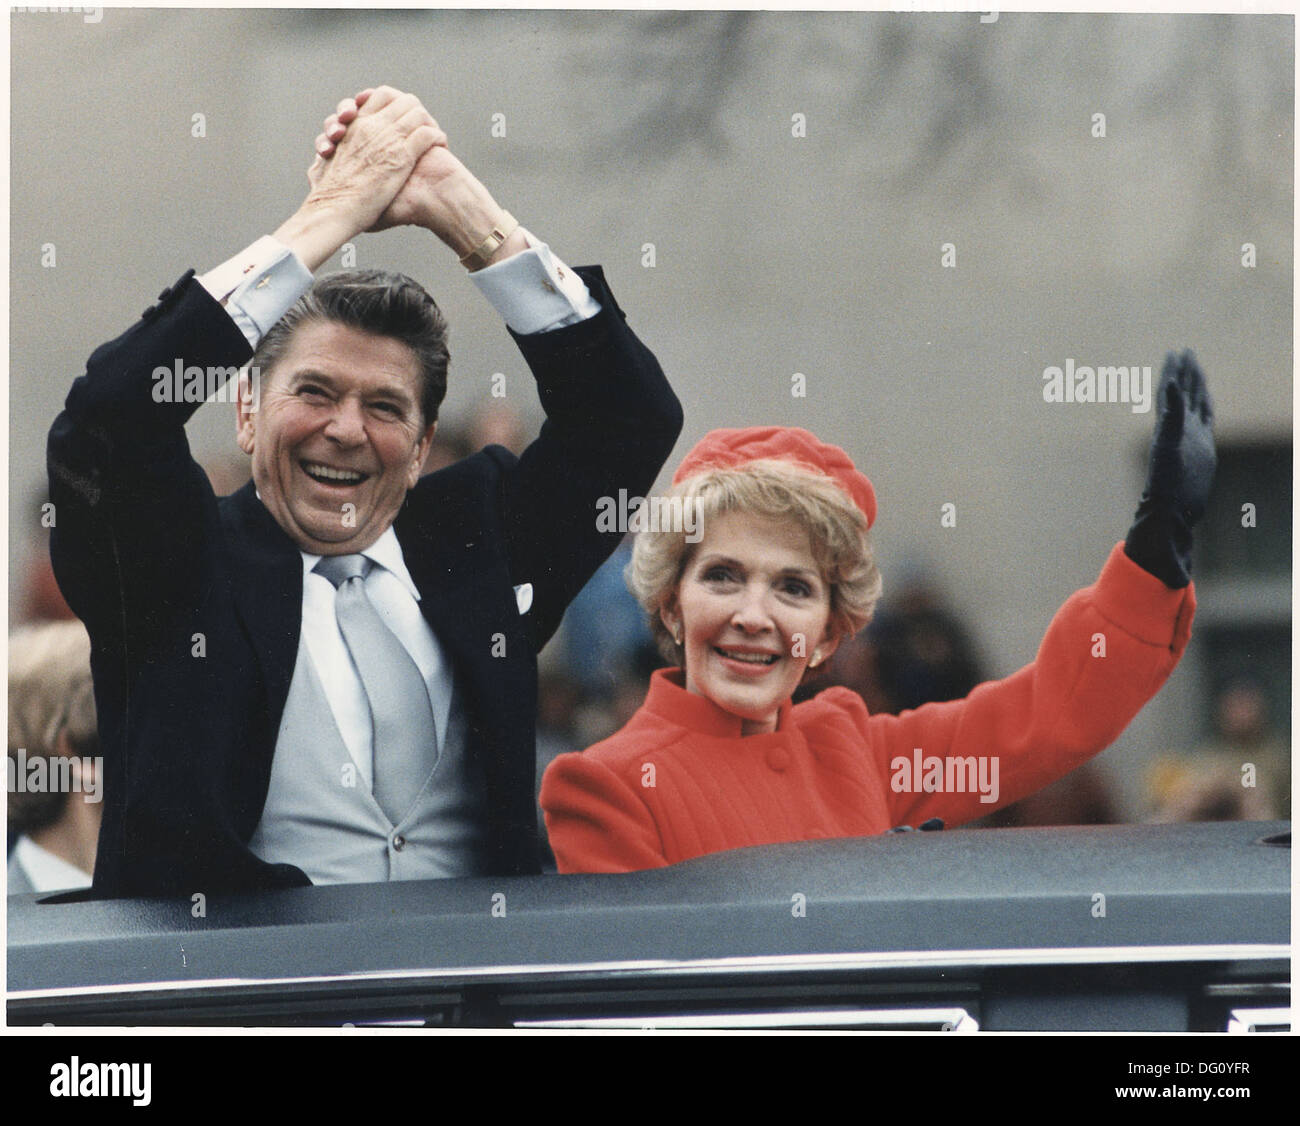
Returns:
<point x="338" y="436"/>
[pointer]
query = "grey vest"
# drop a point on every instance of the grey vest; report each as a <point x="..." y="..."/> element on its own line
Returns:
<point x="320" y="816"/>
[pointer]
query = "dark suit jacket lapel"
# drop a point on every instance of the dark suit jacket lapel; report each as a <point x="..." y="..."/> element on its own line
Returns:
<point x="266" y="580"/>
<point x="462" y="603"/>
<point x="467" y="602"/>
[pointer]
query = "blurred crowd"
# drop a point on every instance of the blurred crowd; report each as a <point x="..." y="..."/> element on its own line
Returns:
<point x="594" y="676"/>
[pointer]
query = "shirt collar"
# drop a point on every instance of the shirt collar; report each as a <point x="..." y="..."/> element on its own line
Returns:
<point x="386" y="552"/>
<point x="45" y="870"/>
<point x="668" y="699"/>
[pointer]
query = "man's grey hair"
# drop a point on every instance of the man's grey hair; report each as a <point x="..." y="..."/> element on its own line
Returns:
<point x="378" y="301"/>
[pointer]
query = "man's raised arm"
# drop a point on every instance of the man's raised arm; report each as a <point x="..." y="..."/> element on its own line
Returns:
<point x="612" y="418"/>
<point x="128" y="495"/>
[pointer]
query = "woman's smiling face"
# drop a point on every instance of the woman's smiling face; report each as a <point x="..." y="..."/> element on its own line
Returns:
<point x="752" y="610"/>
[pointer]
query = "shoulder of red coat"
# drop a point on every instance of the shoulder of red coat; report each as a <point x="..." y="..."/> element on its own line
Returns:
<point x="644" y="734"/>
<point x="832" y="707"/>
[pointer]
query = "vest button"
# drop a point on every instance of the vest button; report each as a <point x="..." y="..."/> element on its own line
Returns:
<point x="399" y="842"/>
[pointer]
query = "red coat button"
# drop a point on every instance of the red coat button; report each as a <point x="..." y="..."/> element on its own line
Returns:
<point x="778" y="758"/>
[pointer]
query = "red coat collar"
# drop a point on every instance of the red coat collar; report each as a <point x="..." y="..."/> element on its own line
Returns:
<point x="668" y="699"/>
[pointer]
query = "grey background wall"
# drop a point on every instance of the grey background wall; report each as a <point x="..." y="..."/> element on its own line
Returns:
<point x="774" y="253"/>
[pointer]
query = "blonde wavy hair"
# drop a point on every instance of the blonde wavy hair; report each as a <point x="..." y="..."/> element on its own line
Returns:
<point x="50" y="694"/>
<point x="778" y="490"/>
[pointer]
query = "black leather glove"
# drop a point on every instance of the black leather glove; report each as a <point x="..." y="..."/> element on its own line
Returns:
<point x="1179" y="475"/>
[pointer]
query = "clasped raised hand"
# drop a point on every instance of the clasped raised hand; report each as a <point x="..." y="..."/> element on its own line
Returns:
<point x="440" y="195"/>
<point x="387" y="132"/>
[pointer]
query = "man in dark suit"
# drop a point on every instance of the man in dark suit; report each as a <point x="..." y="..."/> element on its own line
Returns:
<point x="257" y="729"/>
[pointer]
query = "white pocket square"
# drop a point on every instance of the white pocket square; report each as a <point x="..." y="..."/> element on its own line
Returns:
<point x="524" y="597"/>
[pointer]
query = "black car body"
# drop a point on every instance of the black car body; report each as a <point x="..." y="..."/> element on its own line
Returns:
<point x="1151" y="928"/>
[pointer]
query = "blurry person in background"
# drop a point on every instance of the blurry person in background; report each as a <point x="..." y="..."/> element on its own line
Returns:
<point x="606" y="639"/>
<point x="720" y="756"/>
<point x="496" y="423"/>
<point x="922" y="653"/>
<point x="53" y="779"/>
<point x="1243" y="774"/>
<point x="1086" y="796"/>
<point x="914" y="652"/>
<point x="39" y="598"/>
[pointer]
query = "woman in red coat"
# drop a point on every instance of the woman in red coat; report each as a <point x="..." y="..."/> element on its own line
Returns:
<point x="767" y="568"/>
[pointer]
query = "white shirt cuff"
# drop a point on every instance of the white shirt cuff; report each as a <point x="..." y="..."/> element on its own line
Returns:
<point x="534" y="291"/>
<point x="258" y="286"/>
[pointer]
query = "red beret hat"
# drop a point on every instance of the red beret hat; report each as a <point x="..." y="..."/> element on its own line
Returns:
<point x="727" y="449"/>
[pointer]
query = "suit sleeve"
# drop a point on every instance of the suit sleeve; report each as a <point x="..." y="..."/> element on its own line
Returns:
<point x="611" y="422"/>
<point x="131" y="504"/>
<point x="595" y="821"/>
<point x="1108" y="651"/>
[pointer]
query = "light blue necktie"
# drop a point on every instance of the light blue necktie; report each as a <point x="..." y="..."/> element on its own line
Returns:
<point x="403" y="736"/>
